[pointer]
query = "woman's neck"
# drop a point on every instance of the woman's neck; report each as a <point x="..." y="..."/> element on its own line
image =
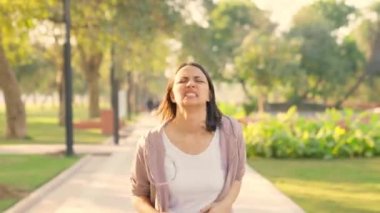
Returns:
<point x="190" y="120"/>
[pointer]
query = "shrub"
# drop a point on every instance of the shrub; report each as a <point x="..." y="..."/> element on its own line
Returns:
<point x="333" y="134"/>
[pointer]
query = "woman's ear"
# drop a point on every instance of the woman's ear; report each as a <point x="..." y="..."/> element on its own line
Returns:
<point x="172" y="97"/>
<point x="209" y="97"/>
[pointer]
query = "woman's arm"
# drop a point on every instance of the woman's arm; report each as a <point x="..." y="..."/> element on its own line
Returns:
<point x="142" y="204"/>
<point x="232" y="194"/>
<point x="140" y="183"/>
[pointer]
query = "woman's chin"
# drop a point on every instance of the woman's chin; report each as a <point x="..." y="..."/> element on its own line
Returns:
<point x="192" y="103"/>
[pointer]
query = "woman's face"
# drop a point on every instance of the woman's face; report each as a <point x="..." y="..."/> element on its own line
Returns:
<point x="190" y="87"/>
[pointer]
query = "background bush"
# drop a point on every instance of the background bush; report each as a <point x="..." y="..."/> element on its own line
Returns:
<point x="333" y="134"/>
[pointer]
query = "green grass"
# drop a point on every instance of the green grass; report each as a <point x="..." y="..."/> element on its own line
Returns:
<point x="21" y="174"/>
<point x="43" y="128"/>
<point x="347" y="185"/>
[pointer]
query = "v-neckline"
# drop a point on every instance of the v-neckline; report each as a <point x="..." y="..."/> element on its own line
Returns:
<point x="179" y="150"/>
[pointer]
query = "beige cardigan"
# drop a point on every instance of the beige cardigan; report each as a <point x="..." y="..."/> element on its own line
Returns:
<point x="148" y="175"/>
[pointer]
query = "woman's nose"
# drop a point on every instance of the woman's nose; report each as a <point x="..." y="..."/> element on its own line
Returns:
<point x="190" y="84"/>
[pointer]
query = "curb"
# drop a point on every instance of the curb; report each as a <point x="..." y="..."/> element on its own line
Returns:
<point x="37" y="195"/>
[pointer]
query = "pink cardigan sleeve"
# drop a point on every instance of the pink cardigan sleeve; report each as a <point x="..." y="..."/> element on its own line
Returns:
<point x="140" y="183"/>
<point x="241" y="153"/>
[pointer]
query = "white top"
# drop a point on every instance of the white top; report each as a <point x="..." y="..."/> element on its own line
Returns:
<point x="195" y="181"/>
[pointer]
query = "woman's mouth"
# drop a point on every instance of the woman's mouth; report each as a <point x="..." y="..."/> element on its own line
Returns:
<point x="190" y="95"/>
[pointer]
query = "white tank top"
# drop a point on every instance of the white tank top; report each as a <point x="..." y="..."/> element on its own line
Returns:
<point x="194" y="181"/>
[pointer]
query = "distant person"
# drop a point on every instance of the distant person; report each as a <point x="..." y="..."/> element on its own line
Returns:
<point x="150" y="104"/>
<point x="194" y="161"/>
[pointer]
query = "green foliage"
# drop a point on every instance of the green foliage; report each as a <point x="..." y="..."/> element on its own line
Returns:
<point x="217" y="45"/>
<point x="333" y="134"/>
<point x="250" y="107"/>
<point x="368" y="30"/>
<point x="143" y="39"/>
<point x="327" y="63"/>
<point x="238" y="44"/>
<point x="232" y="110"/>
<point x="137" y="56"/>
<point x="17" y="19"/>
<point x="38" y="74"/>
<point x="266" y="62"/>
<point x="231" y="21"/>
<point x="365" y="35"/>
<point x="336" y="12"/>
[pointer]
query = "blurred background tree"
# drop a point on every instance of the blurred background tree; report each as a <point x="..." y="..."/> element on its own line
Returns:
<point x="17" y="19"/>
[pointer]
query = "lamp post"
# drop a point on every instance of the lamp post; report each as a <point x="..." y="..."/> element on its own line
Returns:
<point x="68" y="76"/>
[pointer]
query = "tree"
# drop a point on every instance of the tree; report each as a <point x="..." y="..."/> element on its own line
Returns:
<point x="15" y="110"/>
<point x="141" y="45"/>
<point x="325" y="61"/>
<point x="90" y="31"/>
<point x="265" y="63"/>
<point x="115" y="23"/>
<point x="142" y="66"/>
<point x="229" y="22"/>
<point x="367" y="35"/>
<point x="355" y="61"/>
<point x="37" y="75"/>
<point x="17" y="19"/>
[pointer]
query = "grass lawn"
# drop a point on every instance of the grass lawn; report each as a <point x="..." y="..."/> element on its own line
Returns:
<point x="43" y="128"/>
<point x="344" y="185"/>
<point x="21" y="174"/>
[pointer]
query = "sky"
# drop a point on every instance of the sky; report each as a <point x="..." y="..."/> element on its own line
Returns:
<point x="282" y="11"/>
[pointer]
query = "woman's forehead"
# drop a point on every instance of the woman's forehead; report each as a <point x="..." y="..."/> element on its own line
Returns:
<point x="190" y="71"/>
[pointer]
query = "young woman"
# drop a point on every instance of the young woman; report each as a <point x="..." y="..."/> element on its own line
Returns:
<point x="195" y="161"/>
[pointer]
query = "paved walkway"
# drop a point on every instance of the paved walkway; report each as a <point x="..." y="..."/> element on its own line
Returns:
<point x="99" y="182"/>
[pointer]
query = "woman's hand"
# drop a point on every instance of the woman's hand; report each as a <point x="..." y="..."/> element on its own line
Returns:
<point x="225" y="205"/>
<point x="218" y="207"/>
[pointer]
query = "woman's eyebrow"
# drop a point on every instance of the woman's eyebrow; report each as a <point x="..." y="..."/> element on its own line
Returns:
<point x="198" y="77"/>
<point x="187" y="77"/>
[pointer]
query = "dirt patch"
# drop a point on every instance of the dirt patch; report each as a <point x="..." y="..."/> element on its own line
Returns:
<point x="11" y="192"/>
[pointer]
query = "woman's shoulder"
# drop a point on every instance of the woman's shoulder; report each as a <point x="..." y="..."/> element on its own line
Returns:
<point x="230" y="122"/>
<point x="231" y="126"/>
<point x="226" y="118"/>
<point x="150" y="136"/>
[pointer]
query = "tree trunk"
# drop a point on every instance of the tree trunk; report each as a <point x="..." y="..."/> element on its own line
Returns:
<point x="245" y="90"/>
<point x="15" y="109"/>
<point x="129" y="95"/>
<point x="298" y="99"/>
<point x="93" y="90"/>
<point x="133" y="95"/>
<point x="91" y="62"/>
<point x="138" y="91"/>
<point x="261" y="98"/>
<point x="351" y="91"/>
<point x="261" y="103"/>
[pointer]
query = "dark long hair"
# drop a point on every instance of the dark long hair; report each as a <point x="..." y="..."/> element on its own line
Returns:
<point x="168" y="109"/>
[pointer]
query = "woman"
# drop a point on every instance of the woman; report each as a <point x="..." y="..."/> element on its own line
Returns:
<point x="194" y="162"/>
